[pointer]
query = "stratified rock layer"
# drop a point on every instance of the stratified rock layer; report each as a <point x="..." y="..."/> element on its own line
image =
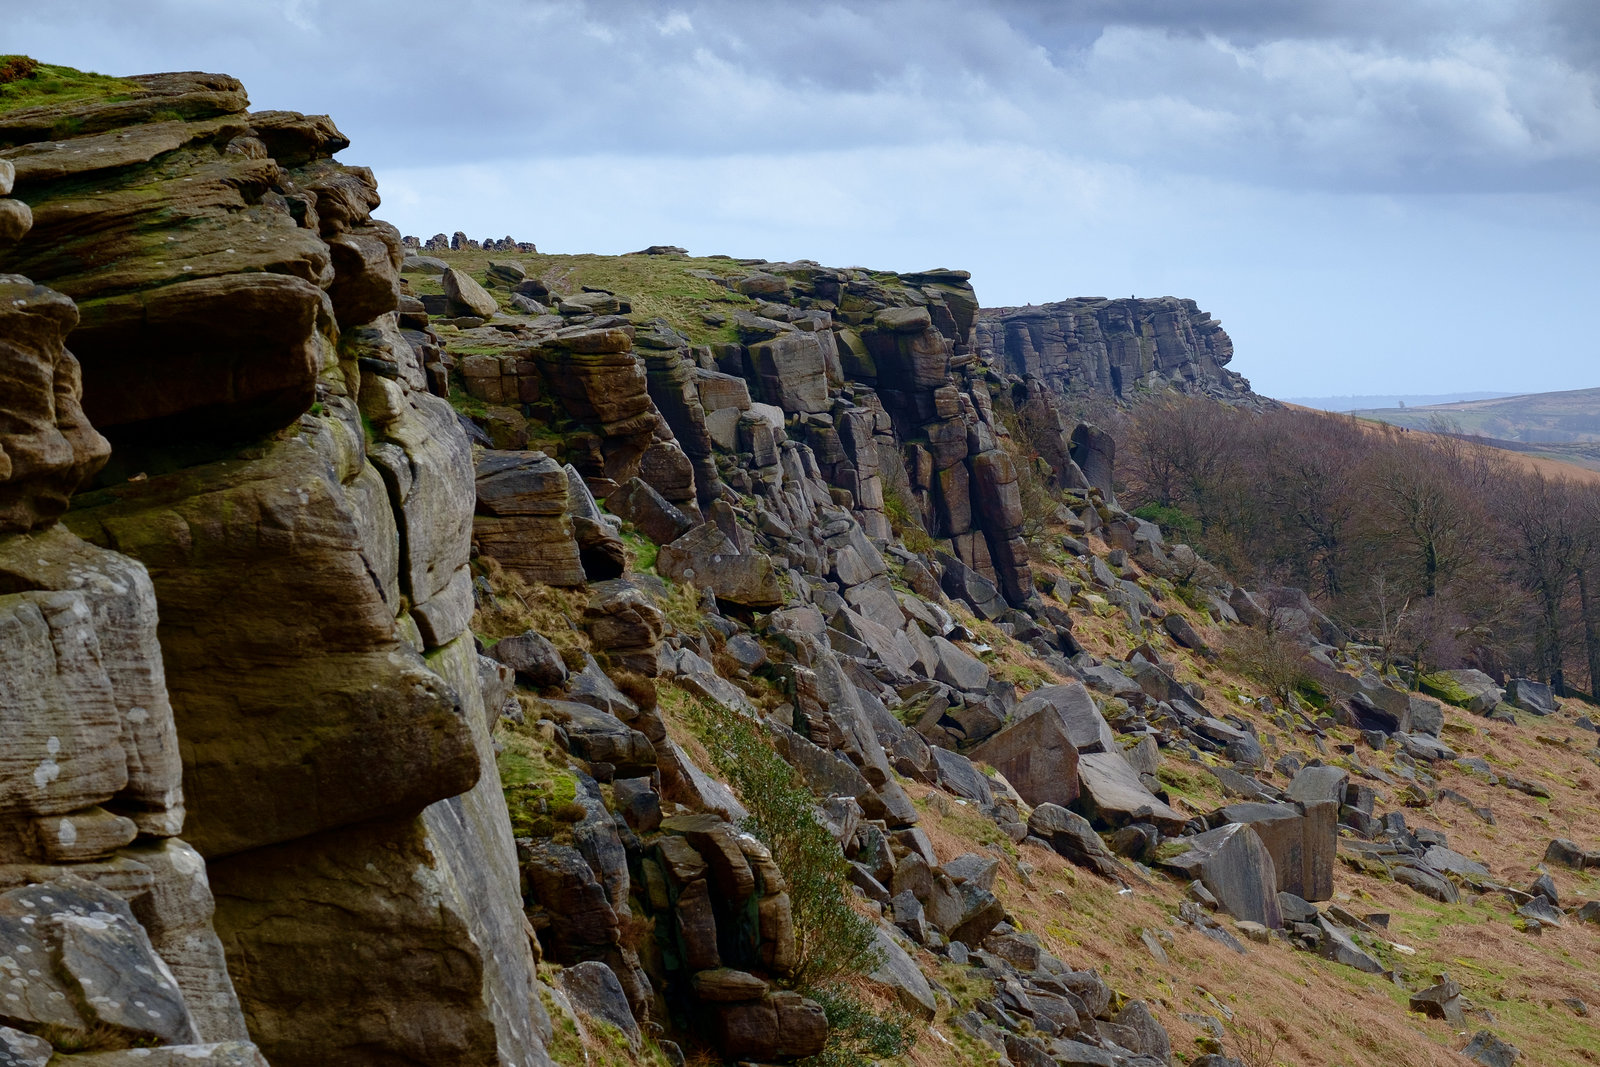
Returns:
<point x="304" y="506"/>
<point x="1095" y="346"/>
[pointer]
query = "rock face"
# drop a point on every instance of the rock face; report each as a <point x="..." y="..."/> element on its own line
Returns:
<point x="106" y="924"/>
<point x="237" y="328"/>
<point x="1094" y="346"/>
<point x="255" y="626"/>
<point x="47" y="447"/>
<point x="845" y="386"/>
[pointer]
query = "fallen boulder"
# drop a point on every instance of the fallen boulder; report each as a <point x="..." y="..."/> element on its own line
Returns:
<point x="1233" y="863"/>
<point x="706" y="558"/>
<point x="1037" y="756"/>
<point x="1071" y="836"/>
<point x="1110" y="793"/>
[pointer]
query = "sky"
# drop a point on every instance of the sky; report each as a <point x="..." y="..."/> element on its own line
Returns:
<point x="1372" y="195"/>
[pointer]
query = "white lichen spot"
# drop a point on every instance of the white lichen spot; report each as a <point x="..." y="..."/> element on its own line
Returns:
<point x="138" y="715"/>
<point x="67" y="833"/>
<point x="185" y="860"/>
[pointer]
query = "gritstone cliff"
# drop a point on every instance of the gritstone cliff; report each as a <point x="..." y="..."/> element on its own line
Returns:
<point x="412" y="655"/>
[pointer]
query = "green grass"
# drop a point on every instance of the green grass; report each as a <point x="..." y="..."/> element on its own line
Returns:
<point x="641" y="548"/>
<point x="657" y="286"/>
<point x="50" y="84"/>
<point x="534" y="784"/>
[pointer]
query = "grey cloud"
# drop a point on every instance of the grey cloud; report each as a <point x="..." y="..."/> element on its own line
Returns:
<point x="1368" y="95"/>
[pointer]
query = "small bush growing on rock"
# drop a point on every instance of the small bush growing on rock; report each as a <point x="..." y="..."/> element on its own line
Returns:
<point x="513" y="606"/>
<point x="570" y="812"/>
<point x="906" y="527"/>
<point x="1177" y="524"/>
<point x="830" y="938"/>
<point x="832" y="942"/>
<point x="857" y="1035"/>
<point x="637" y="688"/>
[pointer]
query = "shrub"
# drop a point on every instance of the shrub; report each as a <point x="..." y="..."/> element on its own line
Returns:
<point x="830" y="938"/>
<point x="15" y="68"/>
<point x="907" y="527"/>
<point x="1270" y="657"/>
<point x="513" y="606"/>
<point x="857" y="1035"/>
<point x="832" y="942"/>
<point x="1182" y="527"/>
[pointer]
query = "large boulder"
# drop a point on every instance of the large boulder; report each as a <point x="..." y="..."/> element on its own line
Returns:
<point x="594" y="991"/>
<point x="1071" y="835"/>
<point x="1468" y="689"/>
<point x="523" y="519"/>
<point x="959" y="669"/>
<point x="466" y="296"/>
<point x="1037" y="756"/>
<point x="1233" y="863"/>
<point x="1111" y="794"/>
<point x="1095" y="452"/>
<point x="599" y="737"/>
<point x="792" y="370"/>
<point x="1531" y="696"/>
<point x="1319" y="792"/>
<point x="87" y="970"/>
<point x="624" y="623"/>
<point x="1087" y="729"/>
<point x="964" y="583"/>
<point x="900" y="973"/>
<point x="706" y="558"/>
<point x="1303" y="867"/>
<point x="781" y="1025"/>
<point x="651" y="513"/>
<point x="84" y="706"/>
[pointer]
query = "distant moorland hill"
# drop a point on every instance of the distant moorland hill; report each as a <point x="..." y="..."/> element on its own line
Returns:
<point x="1572" y="416"/>
<point x="1363" y="401"/>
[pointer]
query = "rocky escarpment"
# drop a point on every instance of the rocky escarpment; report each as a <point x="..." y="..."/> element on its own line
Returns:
<point x="302" y="506"/>
<point x="864" y="384"/>
<point x="1092" y="346"/>
<point x="505" y="625"/>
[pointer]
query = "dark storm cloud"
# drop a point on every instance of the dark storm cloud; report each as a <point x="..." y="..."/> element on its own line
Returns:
<point x="1372" y="95"/>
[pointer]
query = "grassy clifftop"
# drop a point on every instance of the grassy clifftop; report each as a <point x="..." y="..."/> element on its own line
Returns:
<point x="26" y="83"/>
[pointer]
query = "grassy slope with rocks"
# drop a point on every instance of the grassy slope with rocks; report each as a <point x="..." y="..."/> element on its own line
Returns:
<point x="1273" y="1004"/>
<point x="1276" y="1005"/>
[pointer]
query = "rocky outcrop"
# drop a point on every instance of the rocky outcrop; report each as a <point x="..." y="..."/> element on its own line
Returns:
<point x="47" y="447"/>
<point x="105" y="915"/>
<point x="793" y="556"/>
<point x="1092" y="346"/>
<point x="238" y="327"/>
<point x="849" y="386"/>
